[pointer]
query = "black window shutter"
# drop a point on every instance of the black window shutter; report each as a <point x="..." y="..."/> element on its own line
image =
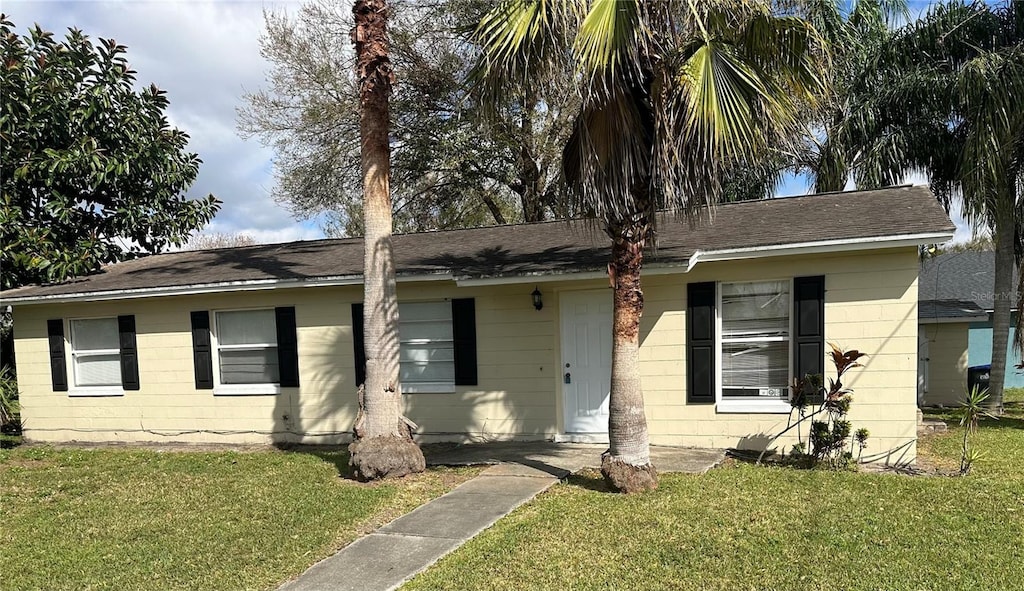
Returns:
<point x="700" y="343"/>
<point x="809" y="326"/>
<point x="287" y="346"/>
<point x="464" y="332"/>
<point x="357" y="344"/>
<point x="201" y="352"/>
<point x="129" y="353"/>
<point x="58" y="366"/>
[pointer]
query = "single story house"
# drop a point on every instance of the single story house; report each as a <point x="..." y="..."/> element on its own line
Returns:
<point x="505" y="331"/>
<point x="955" y="312"/>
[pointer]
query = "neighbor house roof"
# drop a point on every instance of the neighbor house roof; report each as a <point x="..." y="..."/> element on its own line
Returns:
<point x="824" y="222"/>
<point x="959" y="285"/>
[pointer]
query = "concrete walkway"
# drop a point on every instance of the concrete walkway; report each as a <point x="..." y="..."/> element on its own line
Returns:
<point x="393" y="554"/>
<point x="564" y="458"/>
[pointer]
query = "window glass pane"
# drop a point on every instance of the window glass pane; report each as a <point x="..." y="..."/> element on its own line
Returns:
<point x="755" y="310"/>
<point x="440" y="330"/>
<point x="98" y="370"/>
<point x="95" y="333"/>
<point x="412" y="311"/>
<point x="246" y="327"/>
<point x="434" y="371"/>
<point x="249" y="366"/>
<point x="427" y="352"/>
<point x="755" y="369"/>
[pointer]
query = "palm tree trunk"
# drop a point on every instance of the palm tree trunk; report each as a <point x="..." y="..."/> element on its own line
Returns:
<point x="1002" y="294"/>
<point x="627" y="463"/>
<point x="383" y="445"/>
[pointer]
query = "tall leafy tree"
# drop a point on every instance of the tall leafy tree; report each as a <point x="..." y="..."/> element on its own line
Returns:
<point x="383" y="445"/>
<point x="674" y="93"/>
<point x="450" y="166"/>
<point x="90" y="170"/>
<point x="944" y="99"/>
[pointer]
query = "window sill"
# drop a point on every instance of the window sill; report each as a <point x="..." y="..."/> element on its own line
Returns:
<point x="247" y="390"/>
<point x="93" y="391"/>
<point x="779" y="407"/>
<point x="428" y="388"/>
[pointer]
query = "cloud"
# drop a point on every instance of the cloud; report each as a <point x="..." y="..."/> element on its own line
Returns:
<point x="205" y="55"/>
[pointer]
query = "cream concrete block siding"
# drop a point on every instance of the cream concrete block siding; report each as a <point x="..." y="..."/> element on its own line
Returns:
<point x="947" y="362"/>
<point x="168" y="407"/>
<point x="515" y="395"/>
<point x="871" y="305"/>
<point x="516" y="363"/>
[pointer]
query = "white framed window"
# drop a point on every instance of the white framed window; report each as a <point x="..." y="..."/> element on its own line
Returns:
<point x="754" y="352"/>
<point x="246" y="352"/>
<point x="427" y="352"/>
<point x="96" y="356"/>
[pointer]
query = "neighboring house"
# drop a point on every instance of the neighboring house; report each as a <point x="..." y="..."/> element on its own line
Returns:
<point x="264" y="343"/>
<point x="955" y="313"/>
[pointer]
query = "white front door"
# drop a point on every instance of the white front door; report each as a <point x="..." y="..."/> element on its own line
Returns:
<point x="586" y="359"/>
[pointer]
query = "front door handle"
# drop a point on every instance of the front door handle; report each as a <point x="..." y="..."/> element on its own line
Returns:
<point x="568" y="378"/>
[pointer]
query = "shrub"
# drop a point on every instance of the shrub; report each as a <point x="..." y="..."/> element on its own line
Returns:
<point x="829" y="430"/>
<point x="972" y="409"/>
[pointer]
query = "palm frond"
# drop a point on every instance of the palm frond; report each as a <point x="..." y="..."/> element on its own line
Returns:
<point x="607" y="157"/>
<point x="521" y="42"/>
<point x="738" y="92"/>
<point x="990" y="88"/>
<point x="609" y="38"/>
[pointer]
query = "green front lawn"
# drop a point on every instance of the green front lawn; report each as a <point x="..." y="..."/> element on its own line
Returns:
<point x="141" y="519"/>
<point x="743" y="527"/>
<point x="1013" y="397"/>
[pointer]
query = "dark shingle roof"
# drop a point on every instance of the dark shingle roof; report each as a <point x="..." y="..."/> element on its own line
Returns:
<point x="531" y="249"/>
<point x="958" y="284"/>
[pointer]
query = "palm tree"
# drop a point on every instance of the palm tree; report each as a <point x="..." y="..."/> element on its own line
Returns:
<point x="856" y="36"/>
<point x="854" y="32"/>
<point x="944" y="99"/>
<point x="383" y="445"/>
<point x="674" y="92"/>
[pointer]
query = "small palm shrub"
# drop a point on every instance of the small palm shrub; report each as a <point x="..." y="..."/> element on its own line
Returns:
<point x="972" y="409"/>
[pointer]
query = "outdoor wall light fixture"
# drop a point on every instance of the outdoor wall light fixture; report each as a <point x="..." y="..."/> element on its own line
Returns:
<point x="538" y="303"/>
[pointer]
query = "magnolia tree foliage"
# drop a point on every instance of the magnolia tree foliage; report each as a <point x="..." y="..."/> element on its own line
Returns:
<point x="92" y="173"/>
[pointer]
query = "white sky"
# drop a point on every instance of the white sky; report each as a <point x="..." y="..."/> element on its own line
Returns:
<point x="205" y="54"/>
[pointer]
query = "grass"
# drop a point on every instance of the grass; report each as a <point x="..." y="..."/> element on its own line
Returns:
<point x="143" y="519"/>
<point x="1013" y="396"/>
<point x="743" y="527"/>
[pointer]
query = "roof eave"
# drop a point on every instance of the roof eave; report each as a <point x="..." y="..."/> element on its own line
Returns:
<point x="208" y="288"/>
<point x="818" y="247"/>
